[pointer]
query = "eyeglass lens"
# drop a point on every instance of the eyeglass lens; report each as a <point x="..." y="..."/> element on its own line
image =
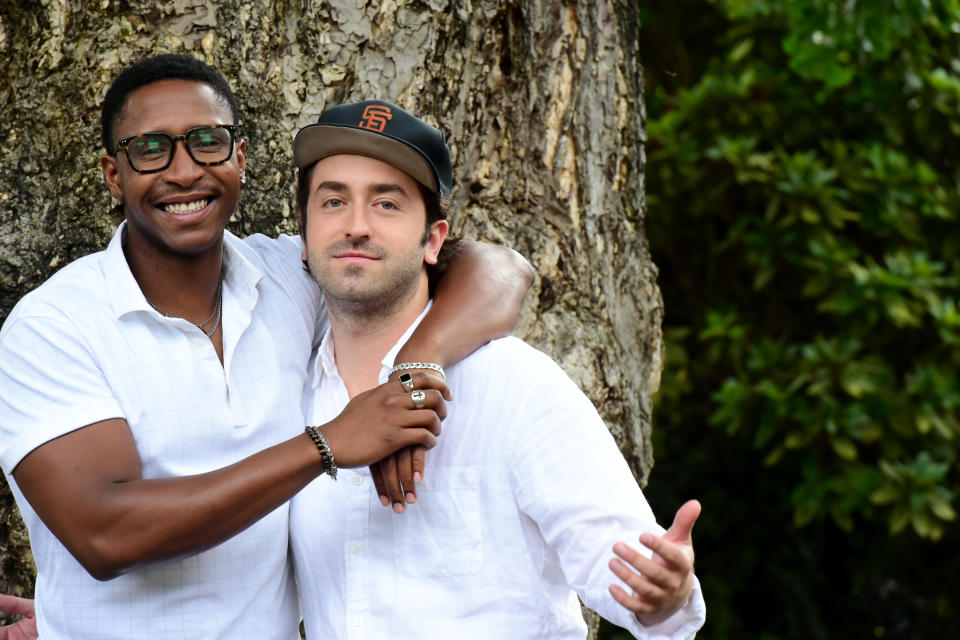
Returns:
<point x="206" y="145"/>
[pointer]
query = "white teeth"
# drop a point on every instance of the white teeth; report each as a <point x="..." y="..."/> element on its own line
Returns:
<point x="185" y="207"/>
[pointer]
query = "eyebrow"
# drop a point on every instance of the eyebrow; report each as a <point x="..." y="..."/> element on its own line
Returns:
<point x="331" y="185"/>
<point x="377" y="189"/>
<point x="387" y="188"/>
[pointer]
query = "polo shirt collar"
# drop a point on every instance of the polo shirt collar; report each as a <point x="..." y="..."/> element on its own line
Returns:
<point x="240" y="276"/>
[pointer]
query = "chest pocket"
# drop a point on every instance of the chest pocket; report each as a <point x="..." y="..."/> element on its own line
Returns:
<point x="440" y="534"/>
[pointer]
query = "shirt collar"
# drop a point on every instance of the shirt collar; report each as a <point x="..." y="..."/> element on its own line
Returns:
<point x="240" y="276"/>
<point x="326" y="363"/>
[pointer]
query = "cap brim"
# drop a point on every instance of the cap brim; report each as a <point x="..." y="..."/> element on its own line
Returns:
<point x="318" y="141"/>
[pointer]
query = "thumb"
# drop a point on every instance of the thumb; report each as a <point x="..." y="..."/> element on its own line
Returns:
<point x="681" y="531"/>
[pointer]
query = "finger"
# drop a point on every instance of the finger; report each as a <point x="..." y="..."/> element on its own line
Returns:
<point x="16" y="606"/>
<point x="429" y="380"/>
<point x="673" y="554"/>
<point x="432" y="400"/>
<point x="649" y="570"/>
<point x="405" y="474"/>
<point x="421" y="436"/>
<point x="388" y="467"/>
<point x="631" y="601"/>
<point x="419" y="460"/>
<point x="643" y="589"/>
<point x="379" y="484"/>
<point x="681" y="531"/>
<point x="426" y="419"/>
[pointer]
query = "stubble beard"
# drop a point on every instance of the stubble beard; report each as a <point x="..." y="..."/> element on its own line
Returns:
<point x="362" y="297"/>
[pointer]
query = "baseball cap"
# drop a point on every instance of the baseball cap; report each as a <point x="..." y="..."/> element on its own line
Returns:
<point x="382" y="131"/>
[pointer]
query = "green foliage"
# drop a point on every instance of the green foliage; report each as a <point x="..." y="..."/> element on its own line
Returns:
<point x="803" y="194"/>
<point x="828" y="220"/>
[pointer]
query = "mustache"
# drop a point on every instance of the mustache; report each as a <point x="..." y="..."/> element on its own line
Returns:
<point x="362" y="245"/>
<point x="163" y="194"/>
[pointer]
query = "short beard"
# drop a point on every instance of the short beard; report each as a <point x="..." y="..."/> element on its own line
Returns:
<point x="371" y="304"/>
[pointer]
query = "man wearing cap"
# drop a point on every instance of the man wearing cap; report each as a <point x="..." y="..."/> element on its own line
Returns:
<point x="149" y="393"/>
<point x="526" y="502"/>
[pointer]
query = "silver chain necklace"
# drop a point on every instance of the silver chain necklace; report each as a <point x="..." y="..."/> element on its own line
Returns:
<point x="216" y="312"/>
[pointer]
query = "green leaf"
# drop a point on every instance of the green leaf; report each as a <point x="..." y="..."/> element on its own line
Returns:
<point x="844" y="448"/>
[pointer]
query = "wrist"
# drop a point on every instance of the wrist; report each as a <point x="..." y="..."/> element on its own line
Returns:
<point x="425" y="349"/>
<point x="323" y="448"/>
<point x="425" y="366"/>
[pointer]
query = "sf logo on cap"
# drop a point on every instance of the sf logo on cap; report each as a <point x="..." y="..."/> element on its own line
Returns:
<point x="375" y="117"/>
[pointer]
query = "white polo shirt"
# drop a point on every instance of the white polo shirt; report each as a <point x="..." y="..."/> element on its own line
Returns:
<point x="86" y="346"/>
<point x="522" y="499"/>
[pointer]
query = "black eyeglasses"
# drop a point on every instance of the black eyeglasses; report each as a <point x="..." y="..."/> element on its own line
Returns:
<point x="208" y="145"/>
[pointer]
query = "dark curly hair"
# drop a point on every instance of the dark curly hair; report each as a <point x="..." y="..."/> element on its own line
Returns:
<point x="168" y="66"/>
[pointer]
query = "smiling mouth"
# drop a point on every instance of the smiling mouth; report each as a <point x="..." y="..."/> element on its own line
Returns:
<point x="185" y="207"/>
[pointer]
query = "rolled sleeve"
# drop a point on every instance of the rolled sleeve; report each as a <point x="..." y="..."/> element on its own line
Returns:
<point x="571" y="479"/>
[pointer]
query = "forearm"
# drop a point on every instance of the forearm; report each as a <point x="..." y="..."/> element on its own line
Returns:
<point x="171" y="517"/>
<point x="87" y="485"/>
<point x="142" y="521"/>
<point x="478" y="299"/>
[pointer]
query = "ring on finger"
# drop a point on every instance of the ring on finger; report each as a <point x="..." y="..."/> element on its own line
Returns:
<point x="406" y="381"/>
<point x="419" y="398"/>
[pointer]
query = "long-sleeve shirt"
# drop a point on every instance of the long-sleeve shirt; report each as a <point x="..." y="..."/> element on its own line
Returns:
<point x="521" y="503"/>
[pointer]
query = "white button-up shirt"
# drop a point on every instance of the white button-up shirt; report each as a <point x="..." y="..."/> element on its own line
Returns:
<point x="86" y="346"/>
<point x="521" y="502"/>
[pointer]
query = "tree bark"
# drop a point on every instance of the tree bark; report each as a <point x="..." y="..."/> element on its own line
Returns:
<point x="541" y="102"/>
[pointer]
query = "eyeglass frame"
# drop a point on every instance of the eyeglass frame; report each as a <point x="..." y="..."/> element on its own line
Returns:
<point x="124" y="143"/>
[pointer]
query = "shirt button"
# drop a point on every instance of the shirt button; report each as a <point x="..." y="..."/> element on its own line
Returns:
<point x="358" y="621"/>
<point x="357" y="480"/>
<point x="355" y="549"/>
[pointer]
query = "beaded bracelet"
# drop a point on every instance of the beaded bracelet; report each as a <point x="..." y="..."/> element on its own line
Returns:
<point x="418" y="365"/>
<point x="326" y="455"/>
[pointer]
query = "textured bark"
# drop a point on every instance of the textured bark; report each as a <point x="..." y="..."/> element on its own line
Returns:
<point x="540" y="100"/>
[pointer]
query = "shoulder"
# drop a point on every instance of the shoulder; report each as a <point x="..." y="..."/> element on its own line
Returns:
<point x="77" y="290"/>
<point x="279" y="252"/>
<point x="511" y="364"/>
<point x="510" y="350"/>
<point x="278" y="259"/>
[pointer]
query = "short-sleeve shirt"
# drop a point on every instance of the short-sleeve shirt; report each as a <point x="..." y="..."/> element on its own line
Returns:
<point x="87" y="346"/>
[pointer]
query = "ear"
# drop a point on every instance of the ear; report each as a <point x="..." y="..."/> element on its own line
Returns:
<point x="111" y="175"/>
<point x="438" y="233"/>
<point x="303" y="236"/>
<point x="241" y="145"/>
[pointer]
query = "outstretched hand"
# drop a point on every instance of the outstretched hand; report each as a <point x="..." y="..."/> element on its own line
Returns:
<point x="25" y="629"/>
<point x="665" y="581"/>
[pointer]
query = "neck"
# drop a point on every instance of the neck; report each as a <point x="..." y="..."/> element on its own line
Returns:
<point x="362" y="336"/>
<point x="182" y="286"/>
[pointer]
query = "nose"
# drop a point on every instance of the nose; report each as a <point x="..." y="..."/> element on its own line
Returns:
<point x="182" y="170"/>
<point x="358" y="222"/>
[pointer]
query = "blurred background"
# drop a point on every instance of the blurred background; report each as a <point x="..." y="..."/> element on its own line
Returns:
<point x="802" y="187"/>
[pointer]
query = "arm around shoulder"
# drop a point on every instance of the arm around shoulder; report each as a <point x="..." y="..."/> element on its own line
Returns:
<point x="477" y="299"/>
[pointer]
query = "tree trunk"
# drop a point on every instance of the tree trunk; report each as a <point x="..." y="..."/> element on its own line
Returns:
<point x="541" y="102"/>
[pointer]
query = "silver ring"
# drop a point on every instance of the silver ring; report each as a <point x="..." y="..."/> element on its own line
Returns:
<point x="419" y="398"/>
<point x="406" y="381"/>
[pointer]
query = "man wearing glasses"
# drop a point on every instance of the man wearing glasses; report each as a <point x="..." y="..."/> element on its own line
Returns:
<point x="150" y="425"/>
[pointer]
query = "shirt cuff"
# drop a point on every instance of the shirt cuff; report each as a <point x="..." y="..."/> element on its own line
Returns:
<point x="682" y="625"/>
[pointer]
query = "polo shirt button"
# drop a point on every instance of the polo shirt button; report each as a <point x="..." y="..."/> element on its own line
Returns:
<point x="357" y="480"/>
<point x="355" y="549"/>
<point x="358" y="621"/>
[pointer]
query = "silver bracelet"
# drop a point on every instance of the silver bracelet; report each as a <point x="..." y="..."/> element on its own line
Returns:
<point x="326" y="455"/>
<point x="418" y="365"/>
